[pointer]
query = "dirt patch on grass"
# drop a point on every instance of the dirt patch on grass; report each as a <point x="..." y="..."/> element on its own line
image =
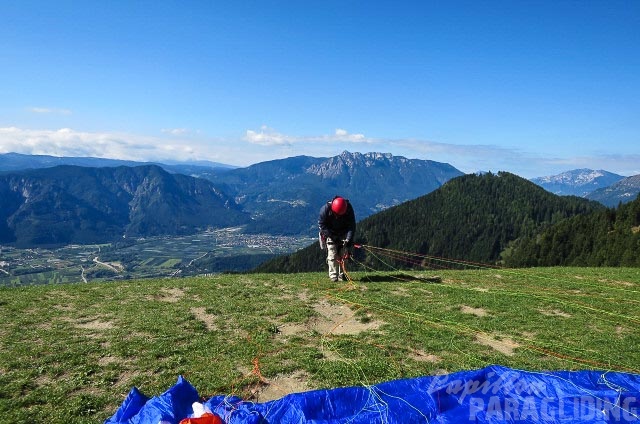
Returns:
<point x="95" y="325"/>
<point x="43" y="380"/>
<point x="304" y="295"/>
<point x="107" y="360"/>
<point x="172" y="295"/>
<point x="281" y="385"/>
<point x="503" y="345"/>
<point x="64" y="308"/>
<point x="340" y="319"/>
<point x="622" y="331"/>
<point x="479" y="312"/>
<point x="554" y="313"/>
<point x="619" y="283"/>
<point x="421" y="356"/>
<point x="330" y="319"/>
<point x="209" y="320"/>
<point x="293" y="329"/>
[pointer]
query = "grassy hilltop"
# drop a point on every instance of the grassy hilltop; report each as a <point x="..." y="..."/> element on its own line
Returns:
<point x="70" y="353"/>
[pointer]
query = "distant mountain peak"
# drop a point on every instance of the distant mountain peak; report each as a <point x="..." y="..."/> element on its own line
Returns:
<point x="578" y="182"/>
<point x="575" y="177"/>
<point x="623" y="191"/>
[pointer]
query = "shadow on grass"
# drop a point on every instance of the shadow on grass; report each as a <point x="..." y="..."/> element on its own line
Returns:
<point x="398" y="278"/>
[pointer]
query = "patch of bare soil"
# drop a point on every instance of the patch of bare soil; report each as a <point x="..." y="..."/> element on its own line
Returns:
<point x="554" y="313"/>
<point x="340" y="319"/>
<point x="64" y="308"/>
<point x="623" y="283"/>
<point x="421" y="356"/>
<point x="171" y="295"/>
<point x="107" y="360"/>
<point x="293" y="329"/>
<point x="95" y="325"/>
<point x="304" y="295"/>
<point x="281" y="385"/>
<point x="503" y="345"/>
<point x="201" y="314"/>
<point x="479" y="312"/>
<point x="621" y="331"/>
<point x="43" y="380"/>
<point x="331" y="319"/>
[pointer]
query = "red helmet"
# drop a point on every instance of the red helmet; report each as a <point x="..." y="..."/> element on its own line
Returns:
<point x="339" y="206"/>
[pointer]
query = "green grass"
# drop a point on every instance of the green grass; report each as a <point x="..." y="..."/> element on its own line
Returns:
<point x="70" y="353"/>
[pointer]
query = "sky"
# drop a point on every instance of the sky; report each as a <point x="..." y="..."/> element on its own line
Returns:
<point x="531" y="87"/>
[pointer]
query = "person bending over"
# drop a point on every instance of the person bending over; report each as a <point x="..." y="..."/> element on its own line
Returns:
<point x="337" y="223"/>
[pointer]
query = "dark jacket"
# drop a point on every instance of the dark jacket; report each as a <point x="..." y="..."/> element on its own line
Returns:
<point x="337" y="227"/>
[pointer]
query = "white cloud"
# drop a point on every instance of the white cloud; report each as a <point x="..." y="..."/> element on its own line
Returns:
<point x="52" y="111"/>
<point x="269" y="137"/>
<point x="343" y="135"/>
<point x="69" y="142"/>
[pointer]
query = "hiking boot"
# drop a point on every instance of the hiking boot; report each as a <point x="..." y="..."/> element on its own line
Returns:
<point x="342" y="277"/>
<point x="334" y="279"/>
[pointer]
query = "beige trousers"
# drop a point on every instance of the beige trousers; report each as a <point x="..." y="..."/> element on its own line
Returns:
<point x="334" y="254"/>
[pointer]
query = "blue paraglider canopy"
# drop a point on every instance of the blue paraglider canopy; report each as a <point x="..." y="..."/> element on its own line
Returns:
<point x="488" y="395"/>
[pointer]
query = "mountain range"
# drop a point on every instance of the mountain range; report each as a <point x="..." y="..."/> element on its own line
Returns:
<point x="284" y="196"/>
<point x="45" y="203"/>
<point x="73" y="204"/>
<point x="598" y="185"/>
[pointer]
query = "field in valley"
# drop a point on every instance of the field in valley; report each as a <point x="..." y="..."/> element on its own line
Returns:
<point x="207" y="252"/>
<point x="70" y="353"/>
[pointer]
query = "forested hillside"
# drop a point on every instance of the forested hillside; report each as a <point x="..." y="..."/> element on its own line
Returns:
<point x="473" y="217"/>
<point x="604" y="238"/>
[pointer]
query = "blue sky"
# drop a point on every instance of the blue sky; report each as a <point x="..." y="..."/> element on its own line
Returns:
<point x="531" y="87"/>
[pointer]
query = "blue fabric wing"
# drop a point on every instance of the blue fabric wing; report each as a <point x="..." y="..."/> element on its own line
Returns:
<point x="493" y="394"/>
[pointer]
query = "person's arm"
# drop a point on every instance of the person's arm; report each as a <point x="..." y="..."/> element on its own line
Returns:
<point x="352" y="224"/>
<point x="322" y="221"/>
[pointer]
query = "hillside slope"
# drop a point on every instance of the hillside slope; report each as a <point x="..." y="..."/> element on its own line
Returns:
<point x="473" y="217"/>
<point x="70" y="204"/>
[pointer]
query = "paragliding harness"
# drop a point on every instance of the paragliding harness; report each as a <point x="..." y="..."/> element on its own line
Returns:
<point x="344" y="258"/>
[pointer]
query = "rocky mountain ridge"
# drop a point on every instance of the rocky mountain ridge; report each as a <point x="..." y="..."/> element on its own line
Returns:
<point x="285" y="195"/>
<point x="577" y="182"/>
